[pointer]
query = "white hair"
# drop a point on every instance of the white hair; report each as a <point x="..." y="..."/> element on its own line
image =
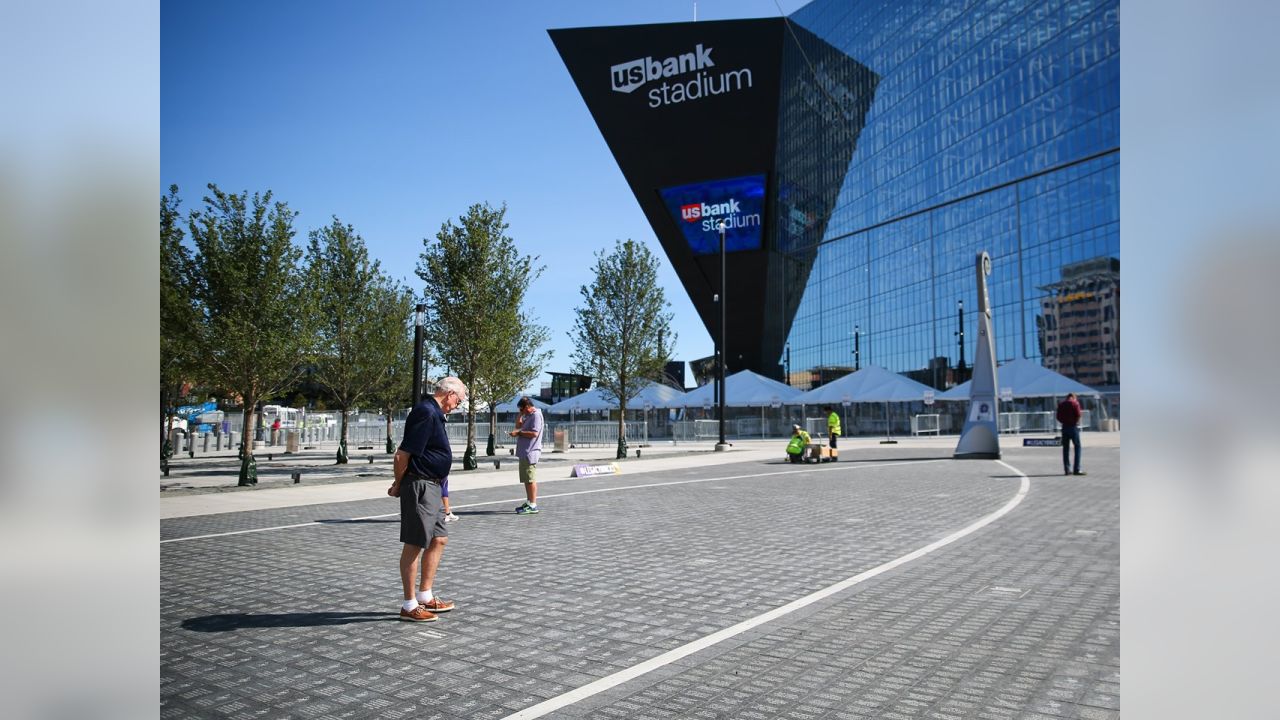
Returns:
<point x="452" y="384"/>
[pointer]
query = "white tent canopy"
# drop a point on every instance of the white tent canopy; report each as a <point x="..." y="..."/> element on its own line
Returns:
<point x="742" y="389"/>
<point x="1028" y="379"/>
<point x="593" y="399"/>
<point x="657" y="395"/>
<point x="510" y="405"/>
<point x="870" y="384"/>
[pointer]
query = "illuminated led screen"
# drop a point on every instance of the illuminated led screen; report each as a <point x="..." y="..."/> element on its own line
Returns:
<point x="699" y="208"/>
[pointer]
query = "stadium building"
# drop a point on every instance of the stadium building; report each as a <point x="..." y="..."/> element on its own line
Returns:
<point x="859" y="154"/>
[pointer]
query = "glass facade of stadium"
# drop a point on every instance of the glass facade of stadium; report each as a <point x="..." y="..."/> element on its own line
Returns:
<point x="995" y="126"/>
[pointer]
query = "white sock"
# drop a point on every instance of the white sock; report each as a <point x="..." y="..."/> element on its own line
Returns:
<point x="409" y="605"/>
<point x="424" y="596"/>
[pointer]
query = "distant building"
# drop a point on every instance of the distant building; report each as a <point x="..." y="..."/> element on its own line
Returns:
<point x="673" y="374"/>
<point x="703" y="369"/>
<point x="564" y="386"/>
<point x="1079" y="323"/>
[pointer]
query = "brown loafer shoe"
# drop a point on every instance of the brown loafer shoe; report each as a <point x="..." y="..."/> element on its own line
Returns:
<point x="438" y="605"/>
<point x="418" y="614"/>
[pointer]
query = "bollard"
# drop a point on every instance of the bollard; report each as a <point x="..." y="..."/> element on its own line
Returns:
<point x="370" y="459"/>
<point x="206" y="443"/>
<point x="191" y="445"/>
<point x="637" y="452"/>
<point x="297" y="477"/>
<point x="497" y="464"/>
<point x="270" y="456"/>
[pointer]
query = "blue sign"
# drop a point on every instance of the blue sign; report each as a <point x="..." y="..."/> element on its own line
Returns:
<point x="699" y="209"/>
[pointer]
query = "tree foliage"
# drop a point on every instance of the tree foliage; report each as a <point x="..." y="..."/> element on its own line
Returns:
<point x="178" y="314"/>
<point x="622" y="330"/>
<point x="361" y="317"/>
<point x="476" y="282"/>
<point x="395" y="391"/>
<point x="255" y="328"/>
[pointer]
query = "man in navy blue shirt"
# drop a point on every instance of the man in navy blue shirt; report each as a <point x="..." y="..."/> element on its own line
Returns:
<point x="421" y="464"/>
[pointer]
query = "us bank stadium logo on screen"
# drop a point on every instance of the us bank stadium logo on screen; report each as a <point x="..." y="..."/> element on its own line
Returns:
<point x="630" y="76"/>
<point x="700" y="208"/>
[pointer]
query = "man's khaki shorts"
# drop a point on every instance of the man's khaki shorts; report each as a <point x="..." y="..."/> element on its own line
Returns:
<point x="528" y="471"/>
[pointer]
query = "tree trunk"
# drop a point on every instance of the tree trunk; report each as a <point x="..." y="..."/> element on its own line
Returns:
<point x="248" y="465"/>
<point x="165" y="419"/>
<point x="469" y="456"/>
<point x="622" y="424"/>
<point x="391" y="443"/>
<point x="248" y="426"/>
<point x="342" y="438"/>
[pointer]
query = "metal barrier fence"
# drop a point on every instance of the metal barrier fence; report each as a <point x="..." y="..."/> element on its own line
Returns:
<point x="371" y="429"/>
<point x="457" y="432"/>
<point x="816" y="427"/>
<point x="582" y="434"/>
<point x="1037" y="422"/>
<point x="925" y="424"/>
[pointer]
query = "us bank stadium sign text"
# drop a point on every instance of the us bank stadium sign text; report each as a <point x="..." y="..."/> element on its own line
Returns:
<point x="629" y="76"/>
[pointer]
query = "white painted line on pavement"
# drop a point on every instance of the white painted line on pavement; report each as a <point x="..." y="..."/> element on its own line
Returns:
<point x="555" y="495"/>
<point x="683" y="651"/>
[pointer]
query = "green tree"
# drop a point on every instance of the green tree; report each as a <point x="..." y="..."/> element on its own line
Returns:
<point x="622" y="332"/>
<point x="361" y="317"/>
<point x="255" y="331"/>
<point x="513" y="360"/>
<point x="475" y="285"/>
<point x="178" y="315"/>
<point x="395" y="391"/>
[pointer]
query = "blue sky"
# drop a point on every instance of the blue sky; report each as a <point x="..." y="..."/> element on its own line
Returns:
<point x="397" y="116"/>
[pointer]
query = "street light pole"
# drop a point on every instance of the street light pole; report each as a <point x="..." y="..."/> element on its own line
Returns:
<point x="857" y="348"/>
<point x="418" y="318"/>
<point x="723" y="352"/>
<point x="960" y="334"/>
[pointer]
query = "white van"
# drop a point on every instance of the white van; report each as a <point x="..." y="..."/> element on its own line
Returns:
<point x="287" y="416"/>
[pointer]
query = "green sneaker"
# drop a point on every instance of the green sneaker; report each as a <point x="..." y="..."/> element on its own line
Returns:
<point x="527" y="509"/>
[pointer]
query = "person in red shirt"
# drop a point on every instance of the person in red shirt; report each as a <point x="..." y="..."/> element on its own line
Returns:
<point x="1069" y="416"/>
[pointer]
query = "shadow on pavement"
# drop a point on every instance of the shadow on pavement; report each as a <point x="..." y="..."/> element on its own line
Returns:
<point x="358" y="521"/>
<point x="240" y="621"/>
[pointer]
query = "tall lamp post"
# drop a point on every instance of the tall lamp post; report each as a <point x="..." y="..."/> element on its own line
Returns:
<point x="960" y="334"/>
<point x="721" y="350"/>
<point x="857" y="348"/>
<point x="419" y="314"/>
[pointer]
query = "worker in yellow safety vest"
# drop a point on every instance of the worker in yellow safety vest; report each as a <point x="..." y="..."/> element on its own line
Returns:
<point x="795" y="448"/>
<point x="833" y="425"/>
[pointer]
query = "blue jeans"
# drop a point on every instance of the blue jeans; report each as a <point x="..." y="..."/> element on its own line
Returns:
<point x="1070" y="434"/>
